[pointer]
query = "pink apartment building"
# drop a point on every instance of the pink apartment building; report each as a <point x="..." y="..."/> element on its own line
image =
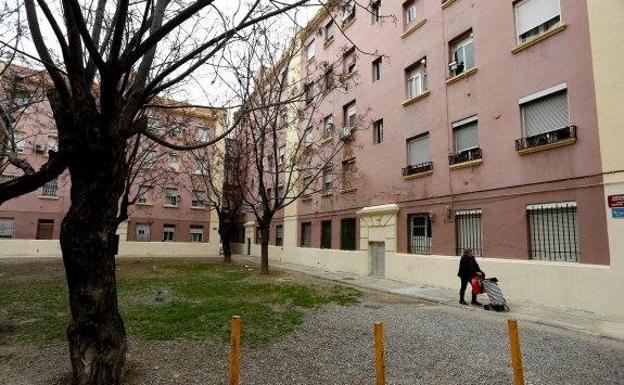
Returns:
<point x="169" y="208"/>
<point x="477" y="119"/>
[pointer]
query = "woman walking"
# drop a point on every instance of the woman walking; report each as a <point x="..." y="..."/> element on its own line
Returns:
<point x="468" y="269"/>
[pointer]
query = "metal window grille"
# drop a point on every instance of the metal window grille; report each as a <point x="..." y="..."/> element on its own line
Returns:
<point x="169" y="233"/>
<point x="419" y="229"/>
<point x="378" y="131"/>
<point x="553" y="232"/>
<point x="326" y="235"/>
<point x="306" y="234"/>
<point x="279" y="235"/>
<point x="50" y="189"/>
<point x="257" y="235"/>
<point x="196" y="234"/>
<point x="142" y="232"/>
<point x="45" y="229"/>
<point x="468" y="232"/>
<point x="6" y="227"/>
<point x="5" y="178"/>
<point x="347" y="234"/>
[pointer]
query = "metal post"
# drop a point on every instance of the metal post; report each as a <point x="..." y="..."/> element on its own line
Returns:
<point x="380" y="365"/>
<point x="516" y="355"/>
<point x="235" y="326"/>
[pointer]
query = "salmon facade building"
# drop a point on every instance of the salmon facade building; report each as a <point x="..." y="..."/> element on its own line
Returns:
<point x="467" y="124"/>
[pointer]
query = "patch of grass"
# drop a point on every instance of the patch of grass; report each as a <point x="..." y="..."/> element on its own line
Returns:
<point x="197" y="302"/>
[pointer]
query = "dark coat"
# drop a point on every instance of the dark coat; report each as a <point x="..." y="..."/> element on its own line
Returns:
<point x="468" y="267"/>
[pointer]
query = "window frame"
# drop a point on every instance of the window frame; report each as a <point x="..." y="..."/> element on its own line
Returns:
<point x="461" y="42"/>
<point x="193" y="231"/>
<point x="541" y="95"/>
<point x="167" y="229"/>
<point x="148" y="234"/>
<point x="376" y="64"/>
<point x="541" y="29"/>
<point x="306" y="242"/>
<point x="378" y="131"/>
<point x="422" y="137"/>
<point x="427" y="227"/>
<point x="463" y="123"/>
<point x="326" y="243"/>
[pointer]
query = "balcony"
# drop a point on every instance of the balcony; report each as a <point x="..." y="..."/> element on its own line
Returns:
<point x="547" y="140"/>
<point x="417" y="170"/>
<point x="471" y="157"/>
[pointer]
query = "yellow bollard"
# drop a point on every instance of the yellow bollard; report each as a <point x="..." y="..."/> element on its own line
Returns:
<point x="380" y="364"/>
<point x="235" y="326"/>
<point x="516" y="355"/>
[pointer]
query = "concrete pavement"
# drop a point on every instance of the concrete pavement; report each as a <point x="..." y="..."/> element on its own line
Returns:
<point x="570" y="319"/>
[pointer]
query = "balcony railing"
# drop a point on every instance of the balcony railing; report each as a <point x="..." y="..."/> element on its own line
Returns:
<point x="545" y="138"/>
<point x="466" y="156"/>
<point x="417" y="168"/>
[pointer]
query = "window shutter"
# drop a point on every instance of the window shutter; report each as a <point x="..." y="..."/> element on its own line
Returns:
<point x="533" y="13"/>
<point x="546" y="114"/>
<point x="466" y="137"/>
<point x="419" y="150"/>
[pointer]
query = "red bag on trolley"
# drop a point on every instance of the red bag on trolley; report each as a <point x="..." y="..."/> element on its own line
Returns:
<point x="475" y="282"/>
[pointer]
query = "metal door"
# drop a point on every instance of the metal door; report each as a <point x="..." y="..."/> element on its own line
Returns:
<point x="378" y="259"/>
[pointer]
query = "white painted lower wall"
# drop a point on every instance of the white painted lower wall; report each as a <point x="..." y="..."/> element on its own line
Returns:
<point x="52" y="248"/>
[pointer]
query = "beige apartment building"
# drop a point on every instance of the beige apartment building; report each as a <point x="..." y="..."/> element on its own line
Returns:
<point x="491" y="125"/>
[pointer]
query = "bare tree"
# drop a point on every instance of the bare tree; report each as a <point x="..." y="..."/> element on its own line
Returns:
<point x="104" y="64"/>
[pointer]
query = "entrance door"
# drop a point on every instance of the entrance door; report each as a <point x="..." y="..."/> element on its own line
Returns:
<point x="378" y="259"/>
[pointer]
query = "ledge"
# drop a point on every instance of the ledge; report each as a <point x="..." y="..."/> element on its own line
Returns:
<point x="306" y="198"/>
<point x="470" y="163"/>
<point x="413" y="28"/>
<point x="327" y="140"/>
<point x="549" y="146"/>
<point x="198" y="207"/>
<point x="461" y="76"/>
<point x="348" y="190"/>
<point x="538" y="38"/>
<point x="418" y="175"/>
<point x="391" y="208"/>
<point x="417" y="98"/>
<point x="447" y="3"/>
<point x="170" y="206"/>
<point x="349" y="23"/>
<point x="144" y="204"/>
<point x="327" y="43"/>
<point x="327" y="194"/>
<point x="350" y="75"/>
<point x="48" y="197"/>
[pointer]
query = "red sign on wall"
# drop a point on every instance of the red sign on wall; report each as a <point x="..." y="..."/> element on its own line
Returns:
<point x="616" y="200"/>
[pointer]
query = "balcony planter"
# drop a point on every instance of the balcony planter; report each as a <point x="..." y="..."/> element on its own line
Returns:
<point x="547" y="140"/>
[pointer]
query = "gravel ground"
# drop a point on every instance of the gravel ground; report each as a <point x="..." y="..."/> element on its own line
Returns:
<point x="425" y="344"/>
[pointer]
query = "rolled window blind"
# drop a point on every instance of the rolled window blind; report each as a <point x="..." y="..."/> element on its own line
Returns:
<point x="466" y="137"/>
<point x="419" y="150"/>
<point x="545" y="114"/>
<point x="533" y="13"/>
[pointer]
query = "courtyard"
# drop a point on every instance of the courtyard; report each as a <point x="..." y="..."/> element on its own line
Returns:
<point x="297" y="329"/>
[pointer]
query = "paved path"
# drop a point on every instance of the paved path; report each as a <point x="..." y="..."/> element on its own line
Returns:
<point x="571" y="319"/>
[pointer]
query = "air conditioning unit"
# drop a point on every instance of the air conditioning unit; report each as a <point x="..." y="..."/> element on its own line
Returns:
<point x="40" y="148"/>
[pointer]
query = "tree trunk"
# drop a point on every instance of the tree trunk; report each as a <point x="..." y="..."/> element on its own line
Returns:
<point x="96" y="334"/>
<point x="227" y="247"/>
<point x="264" y="255"/>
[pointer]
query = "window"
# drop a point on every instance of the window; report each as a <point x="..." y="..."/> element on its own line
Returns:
<point x="350" y="62"/>
<point x="307" y="186"/>
<point x="142" y="232"/>
<point x="328" y="126"/>
<point x="174" y="162"/>
<point x="378" y="131"/>
<point x="416" y="79"/>
<point x="409" y="12"/>
<point x="50" y="189"/>
<point x="419" y="233"/>
<point x="376" y="11"/>
<point x="144" y="195"/>
<point x="327" y="181"/>
<point x="466" y="134"/>
<point x="329" y="31"/>
<point x="308" y="91"/>
<point x="198" y="199"/>
<point x="196" y="233"/>
<point x="534" y="17"/>
<point x="553" y="232"/>
<point x="281" y="154"/>
<point x="21" y="98"/>
<point x="279" y="235"/>
<point x="172" y="197"/>
<point x="310" y="51"/>
<point x="150" y="158"/>
<point x="168" y="233"/>
<point x="468" y="232"/>
<point x="306" y="234"/>
<point x="281" y="193"/>
<point x="461" y="54"/>
<point x="202" y="134"/>
<point x="377" y="69"/>
<point x="20" y="141"/>
<point x="201" y="167"/>
<point x="6" y="228"/>
<point x="5" y="178"/>
<point x="52" y="143"/>
<point x="348" y="12"/>
<point x="328" y="78"/>
<point x="45" y="229"/>
<point x="308" y="137"/>
<point x="257" y="236"/>
<point x="347" y="234"/>
<point x="326" y="234"/>
<point x="418" y="150"/>
<point x="348" y="174"/>
<point x="542" y="114"/>
<point x="349" y="115"/>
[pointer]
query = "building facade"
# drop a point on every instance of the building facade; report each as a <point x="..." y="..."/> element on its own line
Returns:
<point x="467" y="124"/>
<point x="169" y="208"/>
